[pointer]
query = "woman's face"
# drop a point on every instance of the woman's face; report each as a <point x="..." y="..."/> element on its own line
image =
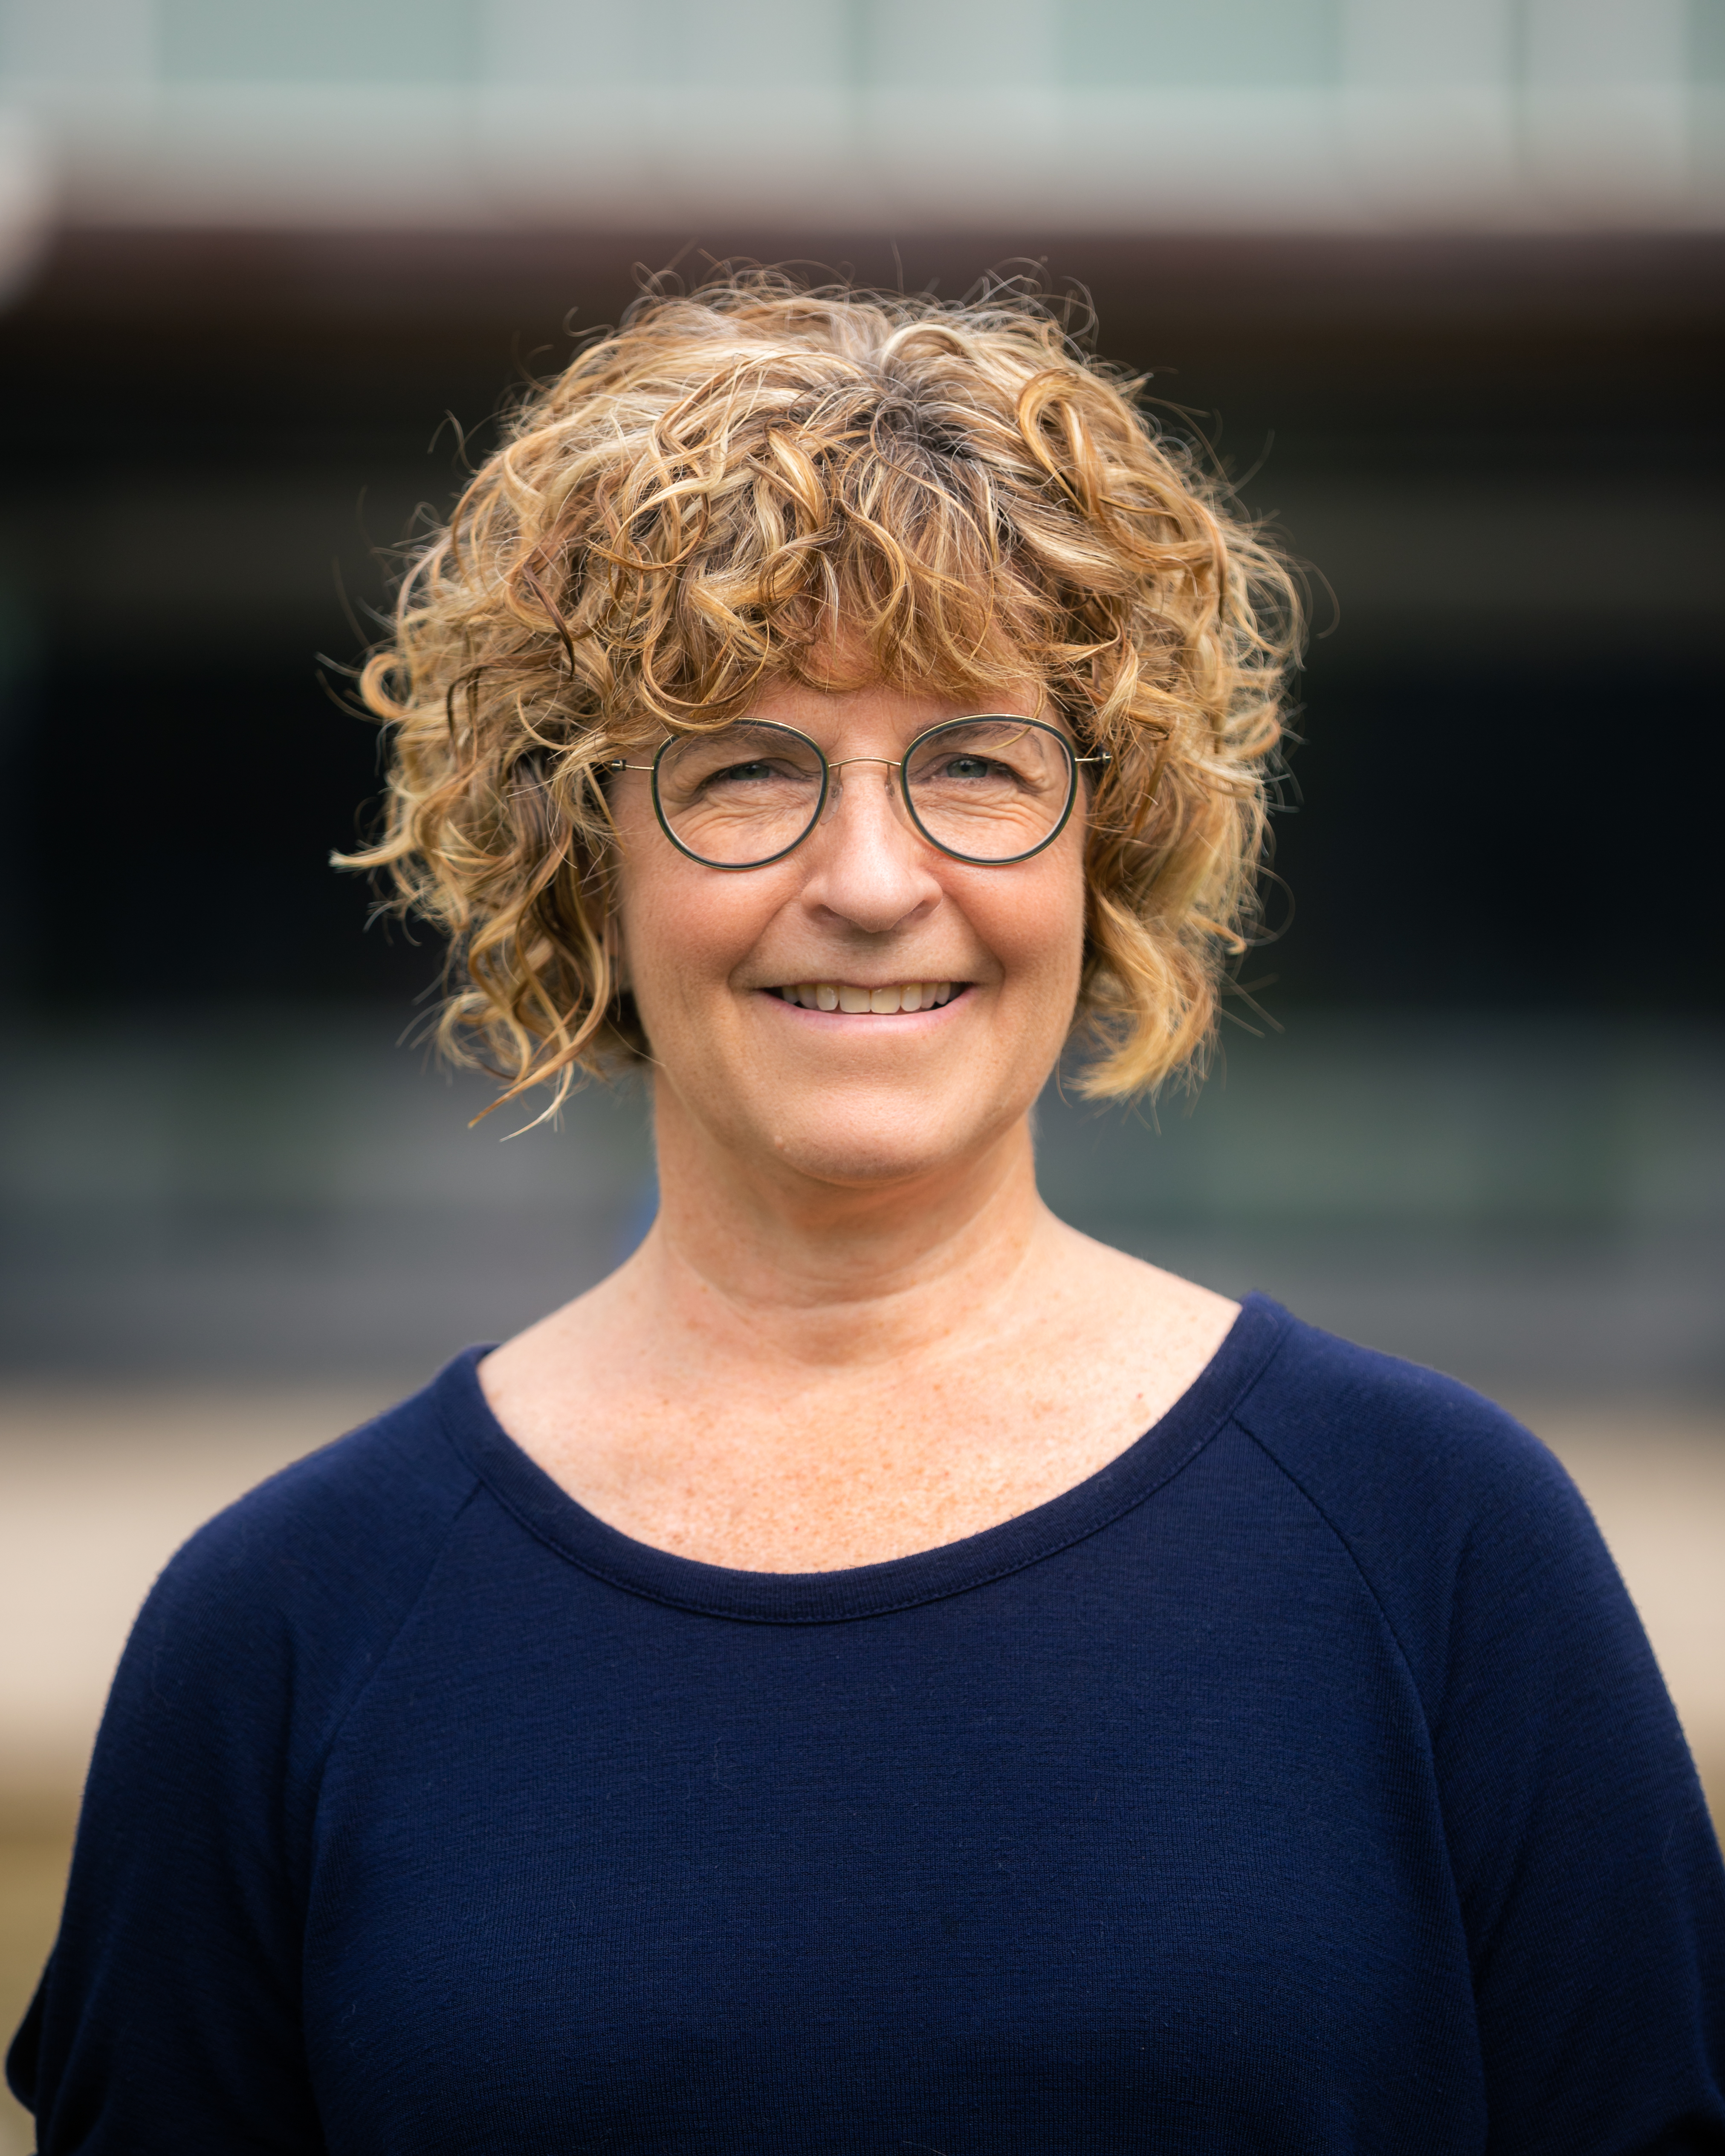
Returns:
<point x="851" y="1097"/>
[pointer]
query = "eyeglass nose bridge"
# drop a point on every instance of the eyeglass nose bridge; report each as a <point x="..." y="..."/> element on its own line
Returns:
<point x="835" y="783"/>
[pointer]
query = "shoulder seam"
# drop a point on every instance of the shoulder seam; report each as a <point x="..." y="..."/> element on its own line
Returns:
<point x="1395" y="1639"/>
<point x="1366" y="1581"/>
<point x="433" y="1560"/>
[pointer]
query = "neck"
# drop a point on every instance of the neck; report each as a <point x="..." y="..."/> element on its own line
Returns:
<point x="763" y="1261"/>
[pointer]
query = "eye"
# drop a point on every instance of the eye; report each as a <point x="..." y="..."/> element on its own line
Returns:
<point x="969" y="767"/>
<point x="745" y="773"/>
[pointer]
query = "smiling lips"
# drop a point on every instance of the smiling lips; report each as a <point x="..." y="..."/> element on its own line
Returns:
<point x="882" y="1003"/>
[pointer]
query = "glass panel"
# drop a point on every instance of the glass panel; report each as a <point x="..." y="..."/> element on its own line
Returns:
<point x="742" y="795"/>
<point x="1171" y="44"/>
<point x="989" y="788"/>
<point x="317" y="41"/>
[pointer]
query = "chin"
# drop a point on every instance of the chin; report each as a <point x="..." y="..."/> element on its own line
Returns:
<point x="858" y="1145"/>
<point x="847" y="1167"/>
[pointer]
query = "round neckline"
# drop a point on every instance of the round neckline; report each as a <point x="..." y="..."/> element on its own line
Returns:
<point x="548" y="1512"/>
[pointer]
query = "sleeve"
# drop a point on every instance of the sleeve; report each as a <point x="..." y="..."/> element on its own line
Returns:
<point x="1587" y="1875"/>
<point x="169" y="2015"/>
<point x="1587" y="1870"/>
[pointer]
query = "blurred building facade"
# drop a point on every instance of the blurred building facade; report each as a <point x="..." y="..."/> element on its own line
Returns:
<point x="1441" y="291"/>
<point x="1057" y="116"/>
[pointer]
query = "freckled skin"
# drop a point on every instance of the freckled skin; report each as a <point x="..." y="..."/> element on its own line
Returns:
<point x="855" y="1331"/>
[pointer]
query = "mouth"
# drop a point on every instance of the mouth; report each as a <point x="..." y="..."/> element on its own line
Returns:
<point x="885" y="1002"/>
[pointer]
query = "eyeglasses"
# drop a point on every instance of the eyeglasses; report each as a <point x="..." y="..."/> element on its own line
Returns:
<point x="990" y="790"/>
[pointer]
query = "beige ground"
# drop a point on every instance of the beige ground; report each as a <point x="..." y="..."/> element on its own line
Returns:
<point x="97" y="1488"/>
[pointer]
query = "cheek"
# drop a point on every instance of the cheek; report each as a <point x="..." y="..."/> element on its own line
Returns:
<point x="1038" y="933"/>
<point x="658" y="935"/>
<point x="661" y="945"/>
<point x="682" y="934"/>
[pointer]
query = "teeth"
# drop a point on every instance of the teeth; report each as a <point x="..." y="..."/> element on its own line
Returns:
<point x="879" y="1002"/>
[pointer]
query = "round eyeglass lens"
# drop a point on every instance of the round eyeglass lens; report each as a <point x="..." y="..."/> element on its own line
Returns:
<point x="740" y="797"/>
<point x="991" y="789"/>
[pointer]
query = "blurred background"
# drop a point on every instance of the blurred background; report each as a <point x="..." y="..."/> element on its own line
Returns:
<point x="1441" y="290"/>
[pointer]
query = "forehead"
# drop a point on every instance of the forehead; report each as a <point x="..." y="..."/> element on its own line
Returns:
<point x="888" y="710"/>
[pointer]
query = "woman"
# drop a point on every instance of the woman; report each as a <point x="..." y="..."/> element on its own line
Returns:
<point x="881" y="1672"/>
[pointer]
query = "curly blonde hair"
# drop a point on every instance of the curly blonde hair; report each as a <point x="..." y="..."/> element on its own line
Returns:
<point x="735" y="485"/>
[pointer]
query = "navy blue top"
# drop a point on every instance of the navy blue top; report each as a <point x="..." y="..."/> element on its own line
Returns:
<point x="1301" y="1781"/>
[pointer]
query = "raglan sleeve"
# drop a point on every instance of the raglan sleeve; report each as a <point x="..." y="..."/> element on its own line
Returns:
<point x="169" y="2015"/>
<point x="1587" y="1870"/>
<point x="1586" y="1874"/>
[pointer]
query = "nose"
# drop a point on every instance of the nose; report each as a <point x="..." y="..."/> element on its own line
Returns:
<point x="867" y="862"/>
